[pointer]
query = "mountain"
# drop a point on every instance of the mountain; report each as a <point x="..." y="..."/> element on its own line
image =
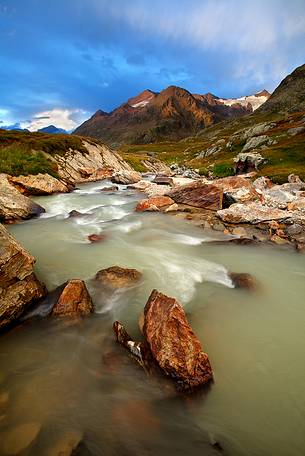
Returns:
<point x="174" y="113"/>
<point x="289" y="96"/>
<point x="53" y="130"/>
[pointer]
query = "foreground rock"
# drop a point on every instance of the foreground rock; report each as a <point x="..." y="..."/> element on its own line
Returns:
<point x="14" y="205"/>
<point x="252" y="213"/>
<point x="41" y="184"/>
<point x="19" y="286"/>
<point x="74" y="300"/>
<point x="173" y="344"/>
<point x="20" y="438"/>
<point x="198" y="194"/>
<point x="154" y="203"/>
<point x="237" y="189"/>
<point x="116" y="277"/>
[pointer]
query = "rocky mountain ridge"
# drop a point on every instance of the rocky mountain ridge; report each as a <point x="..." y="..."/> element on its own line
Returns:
<point x="172" y="113"/>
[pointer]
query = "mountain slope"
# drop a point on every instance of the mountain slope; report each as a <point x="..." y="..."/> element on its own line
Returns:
<point x="174" y="113"/>
<point x="289" y="96"/>
<point x="52" y="130"/>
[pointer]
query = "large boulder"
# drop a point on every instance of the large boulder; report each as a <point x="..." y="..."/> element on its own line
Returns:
<point x="154" y="204"/>
<point x="13" y="205"/>
<point x="198" y="194"/>
<point x="116" y="277"/>
<point x="237" y="188"/>
<point x="40" y="184"/>
<point x="95" y="162"/>
<point x="252" y="213"/>
<point x="126" y="177"/>
<point x="246" y="162"/>
<point x="19" y="286"/>
<point x="74" y="300"/>
<point x="173" y="344"/>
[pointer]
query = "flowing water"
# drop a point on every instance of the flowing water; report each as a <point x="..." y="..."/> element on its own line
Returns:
<point x="75" y="378"/>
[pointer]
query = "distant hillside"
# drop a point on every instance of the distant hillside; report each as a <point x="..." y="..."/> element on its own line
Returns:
<point x="174" y="113"/>
<point x="53" y="130"/>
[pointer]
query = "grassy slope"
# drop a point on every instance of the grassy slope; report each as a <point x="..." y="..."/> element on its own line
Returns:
<point x="30" y="153"/>
<point x="285" y="157"/>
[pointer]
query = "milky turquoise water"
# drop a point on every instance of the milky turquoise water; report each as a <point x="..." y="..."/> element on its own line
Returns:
<point x="75" y="377"/>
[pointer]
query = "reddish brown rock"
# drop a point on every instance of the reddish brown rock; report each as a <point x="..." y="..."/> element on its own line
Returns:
<point x="154" y="203"/>
<point x="173" y="343"/>
<point x="243" y="280"/>
<point x="74" y="300"/>
<point x="96" y="237"/>
<point x="19" y="287"/>
<point x="198" y="194"/>
<point x="116" y="277"/>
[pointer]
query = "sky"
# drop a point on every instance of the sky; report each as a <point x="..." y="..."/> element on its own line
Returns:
<point x="62" y="60"/>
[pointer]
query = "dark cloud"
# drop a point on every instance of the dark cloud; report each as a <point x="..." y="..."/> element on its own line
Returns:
<point x="92" y="54"/>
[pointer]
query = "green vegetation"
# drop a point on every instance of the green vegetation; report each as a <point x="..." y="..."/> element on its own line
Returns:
<point x="31" y="153"/>
<point x="283" y="158"/>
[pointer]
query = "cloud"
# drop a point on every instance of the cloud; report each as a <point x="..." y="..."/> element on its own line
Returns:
<point x="61" y="118"/>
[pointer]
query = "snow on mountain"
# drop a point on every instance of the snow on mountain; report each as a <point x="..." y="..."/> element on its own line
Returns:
<point x="255" y="100"/>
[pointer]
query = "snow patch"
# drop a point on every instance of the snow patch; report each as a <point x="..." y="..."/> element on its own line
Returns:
<point x="254" y="100"/>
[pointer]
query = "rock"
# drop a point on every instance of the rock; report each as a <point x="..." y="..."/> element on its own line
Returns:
<point x="279" y="240"/>
<point x="278" y="197"/>
<point x="247" y="162"/>
<point x="13" y="205"/>
<point x="256" y="141"/>
<point x="240" y="232"/>
<point x="99" y="162"/>
<point x="96" y="238"/>
<point x="262" y="183"/>
<point x="66" y="445"/>
<point x="198" y="194"/>
<point x="75" y="213"/>
<point x="116" y="277"/>
<point x="74" y="300"/>
<point x="243" y="280"/>
<point x="294" y="179"/>
<point x="163" y="180"/>
<point x="154" y="203"/>
<point x="173" y="344"/>
<point x="172" y="208"/>
<point x="294" y="229"/>
<point x="126" y="177"/>
<point x="237" y="189"/>
<point x="19" y="286"/>
<point x="296" y="131"/>
<point x="156" y="166"/>
<point x="258" y="130"/>
<point x="137" y="349"/>
<point x="297" y="205"/>
<point x="20" y="438"/>
<point x="112" y="188"/>
<point x="40" y="184"/>
<point x="252" y="213"/>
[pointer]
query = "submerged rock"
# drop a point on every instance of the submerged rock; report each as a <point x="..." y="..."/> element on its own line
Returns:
<point x="112" y="188"/>
<point x="96" y="237"/>
<point x="74" y="300"/>
<point x="173" y="344"/>
<point x="198" y="194"/>
<point x="20" y="438"/>
<point x="40" y="184"/>
<point x="116" y="277"/>
<point x="19" y="286"/>
<point x="13" y="205"/>
<point x="154" y="203"/>
<point x="75" y="213"/>
<point x="243" y="280"/>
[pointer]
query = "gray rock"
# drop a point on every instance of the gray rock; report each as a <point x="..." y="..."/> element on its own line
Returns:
<point x="296" y="131"/>
<point x="256" y="141"/>
<point x="294" y="229"/>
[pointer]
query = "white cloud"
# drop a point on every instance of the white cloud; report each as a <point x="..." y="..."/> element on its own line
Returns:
<point x="67" y="119"/>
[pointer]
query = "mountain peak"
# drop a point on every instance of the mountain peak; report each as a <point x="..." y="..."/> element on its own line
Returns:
<point x="141" y="100"/>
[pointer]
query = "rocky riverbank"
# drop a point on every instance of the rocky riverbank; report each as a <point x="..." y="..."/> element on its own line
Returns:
<point x="242" y="207"/>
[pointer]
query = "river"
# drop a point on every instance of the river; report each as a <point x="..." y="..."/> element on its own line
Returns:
<point x="75" y="378"/>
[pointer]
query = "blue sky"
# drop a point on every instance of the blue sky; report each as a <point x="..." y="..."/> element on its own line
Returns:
<point x="60" y="61"/>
